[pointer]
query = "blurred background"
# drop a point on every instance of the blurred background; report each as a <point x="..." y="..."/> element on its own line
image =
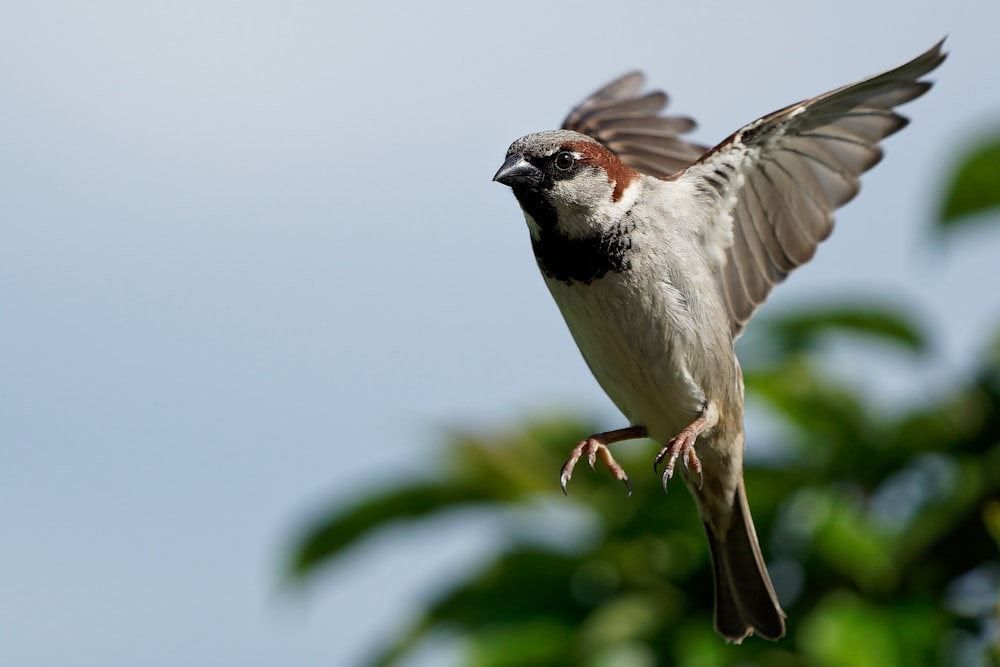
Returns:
<point x="260" y="301"/>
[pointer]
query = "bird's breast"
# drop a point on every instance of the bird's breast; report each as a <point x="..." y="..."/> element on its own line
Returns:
<point x="637" y="334"/>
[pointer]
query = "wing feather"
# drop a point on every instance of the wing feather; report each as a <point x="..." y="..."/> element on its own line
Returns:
<point x="629" y="124"/>
<point x="790" y="170"/>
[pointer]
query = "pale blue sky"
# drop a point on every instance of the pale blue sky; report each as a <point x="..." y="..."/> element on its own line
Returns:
<point x="251" y="258"/>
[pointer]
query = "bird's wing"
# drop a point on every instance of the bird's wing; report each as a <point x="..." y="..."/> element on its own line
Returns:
<point x="628" y="122"/>
<point x="778" y="180"/>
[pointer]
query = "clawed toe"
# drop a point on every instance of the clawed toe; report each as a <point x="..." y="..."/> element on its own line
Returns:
<point x="564" y="476"/>
<point x="693" y="463"/>
<point x="680" y="446"/>
<point x="597" y="446"/>
<point x="592" y="448"/>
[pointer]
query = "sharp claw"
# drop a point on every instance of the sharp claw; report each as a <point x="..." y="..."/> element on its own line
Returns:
<point x="658" y="459"/>
<point x="681" y="446"/>
<point x="565" y="474"/>
<point x="597" y="446"/>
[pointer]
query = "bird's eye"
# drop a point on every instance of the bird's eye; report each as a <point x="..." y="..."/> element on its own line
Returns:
<point x="565" y="160"/>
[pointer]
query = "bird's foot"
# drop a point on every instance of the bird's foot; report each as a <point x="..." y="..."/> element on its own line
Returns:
<point x="681" y="446"/>
<point x="597" y="446"/>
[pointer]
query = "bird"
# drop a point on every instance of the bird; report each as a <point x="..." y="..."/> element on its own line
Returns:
<point x="658" y="251"/>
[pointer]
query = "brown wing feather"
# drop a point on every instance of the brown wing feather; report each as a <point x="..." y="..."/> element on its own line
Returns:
<point x="629" y="123"/>
<point x="787" y="172"/>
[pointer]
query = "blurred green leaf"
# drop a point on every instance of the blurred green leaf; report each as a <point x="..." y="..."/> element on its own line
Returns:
<point x="848" y="543"/>
<point x="803" y="329"/>
<point x="542" y="581"/>
<point x="974" y="187"/>
<point x="991" y="517"/>
<point x="846" y="631"/>
<point x="342" y="527"/>
<point x="526" y="643"/>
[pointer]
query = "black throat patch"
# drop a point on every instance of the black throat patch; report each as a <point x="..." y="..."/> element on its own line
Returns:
<point x="584" y="260"/>
<point x="575" y="260"/>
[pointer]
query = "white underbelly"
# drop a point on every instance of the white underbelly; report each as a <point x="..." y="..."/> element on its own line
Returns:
<point x="638" y="349"/>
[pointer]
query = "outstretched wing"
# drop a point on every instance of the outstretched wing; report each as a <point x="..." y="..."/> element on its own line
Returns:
<point x="629" y="123"/>
<point x="780" y="178"/>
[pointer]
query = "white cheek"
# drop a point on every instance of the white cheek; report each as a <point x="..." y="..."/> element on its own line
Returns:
<point x="579" y="200"/>
<point x="585" y="207"/>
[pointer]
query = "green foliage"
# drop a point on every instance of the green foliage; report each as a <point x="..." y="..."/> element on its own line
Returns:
<point x="805" y="329"/>
<point x="878" y="527"/>
<point x="974" y="187"/>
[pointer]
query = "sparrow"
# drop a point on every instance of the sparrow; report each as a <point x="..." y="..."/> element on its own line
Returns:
<point x="658" y="252"/>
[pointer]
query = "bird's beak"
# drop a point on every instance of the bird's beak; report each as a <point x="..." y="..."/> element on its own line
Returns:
<point x="517" y="172"/>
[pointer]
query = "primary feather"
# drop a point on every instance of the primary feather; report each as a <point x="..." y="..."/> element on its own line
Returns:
<point x="780" y="178"/>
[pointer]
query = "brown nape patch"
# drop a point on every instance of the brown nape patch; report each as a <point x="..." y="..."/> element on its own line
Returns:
<point x="619" y="173"/>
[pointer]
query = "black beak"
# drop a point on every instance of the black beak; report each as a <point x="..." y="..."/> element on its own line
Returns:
<point x="517" y="172"/>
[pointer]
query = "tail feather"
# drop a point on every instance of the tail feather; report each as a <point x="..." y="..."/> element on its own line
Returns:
<point x="744" y="597"/>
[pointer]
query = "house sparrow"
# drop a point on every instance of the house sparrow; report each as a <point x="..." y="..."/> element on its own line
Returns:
<point x="658" y="252"/>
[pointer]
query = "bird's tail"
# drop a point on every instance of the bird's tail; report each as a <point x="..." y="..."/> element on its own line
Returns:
<point x="744" y="598"/>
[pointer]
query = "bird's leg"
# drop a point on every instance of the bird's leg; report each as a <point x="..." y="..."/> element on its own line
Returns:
<point x="597" y="445"/>
<point x="682" y="445"/>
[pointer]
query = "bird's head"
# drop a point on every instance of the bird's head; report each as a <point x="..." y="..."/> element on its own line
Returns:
<point x="567" y="182"/>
